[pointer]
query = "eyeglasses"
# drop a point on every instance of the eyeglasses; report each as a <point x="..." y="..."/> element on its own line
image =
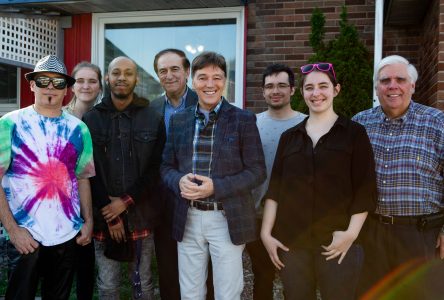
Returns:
<point x="57" y="83"/>
<point x="323" y="67"/>
<point x="279" y="86"/>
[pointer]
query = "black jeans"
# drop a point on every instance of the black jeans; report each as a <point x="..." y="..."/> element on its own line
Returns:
<point x="263" y="269"/>
<point x="307" y="269"/>
<point x="85" y="272"/>
<point x="55" y="264"/>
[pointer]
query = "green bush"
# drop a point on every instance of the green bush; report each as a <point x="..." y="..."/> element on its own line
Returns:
<point x="352" y="62"/>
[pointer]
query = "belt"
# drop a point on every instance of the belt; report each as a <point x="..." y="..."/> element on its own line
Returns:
<point x="201" y="205"/>
<point x="422" y="222"/>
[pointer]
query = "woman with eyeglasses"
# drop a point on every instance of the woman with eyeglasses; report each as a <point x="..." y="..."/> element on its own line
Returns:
<point x="87" y="90"/>
<point x="322" y="186"/>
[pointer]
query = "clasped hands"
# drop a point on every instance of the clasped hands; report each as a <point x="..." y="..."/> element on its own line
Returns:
<point x="195" y="187"/>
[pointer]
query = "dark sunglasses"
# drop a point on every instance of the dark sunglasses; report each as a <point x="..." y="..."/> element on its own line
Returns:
<point x="57" y="83"/>
<point x="323" y="67"/>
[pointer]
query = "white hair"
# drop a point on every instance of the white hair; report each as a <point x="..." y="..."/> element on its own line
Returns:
<point x="396" y="59"/>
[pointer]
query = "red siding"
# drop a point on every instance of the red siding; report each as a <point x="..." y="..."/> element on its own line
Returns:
<point x="77" y="43"/>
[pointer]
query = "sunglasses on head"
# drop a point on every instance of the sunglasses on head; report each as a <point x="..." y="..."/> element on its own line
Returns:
<point x="323" y="67"/>
<point x="57" y="83"/>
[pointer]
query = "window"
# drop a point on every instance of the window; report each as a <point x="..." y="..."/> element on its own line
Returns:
<point x="141" y="35"/>
<point x="8" y="88"/>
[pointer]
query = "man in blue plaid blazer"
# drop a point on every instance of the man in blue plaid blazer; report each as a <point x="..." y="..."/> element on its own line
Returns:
<point x="212" y="160"/>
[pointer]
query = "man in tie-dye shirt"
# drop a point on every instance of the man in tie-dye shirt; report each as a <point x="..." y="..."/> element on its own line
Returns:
<point x="45" y="200"/>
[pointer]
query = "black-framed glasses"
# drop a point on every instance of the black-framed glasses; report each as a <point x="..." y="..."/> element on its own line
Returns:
<point x="279" y="86"/>
<point x="322" y="66"/>
<point x="57" y="83"/>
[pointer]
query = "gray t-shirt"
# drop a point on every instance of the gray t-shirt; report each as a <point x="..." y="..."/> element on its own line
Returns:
<point x="270" y="131"/>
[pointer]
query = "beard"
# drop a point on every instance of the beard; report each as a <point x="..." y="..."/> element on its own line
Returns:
<point x="277" y="106"/>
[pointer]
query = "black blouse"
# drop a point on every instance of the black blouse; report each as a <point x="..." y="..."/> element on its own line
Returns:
<point x="318" y="189"/>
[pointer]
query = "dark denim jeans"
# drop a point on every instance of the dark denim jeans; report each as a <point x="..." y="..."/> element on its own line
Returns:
<point x="55" y="264"/>
<point x="307" y="269"/>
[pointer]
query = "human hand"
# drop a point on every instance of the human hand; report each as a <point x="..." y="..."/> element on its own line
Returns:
<point x="22" y="240"/>
<point x="342" y="241"/>
<point x="193" y="191"/>
<point x="85" y="234"/>
<point x="272" y="244"/>
<point x="114" y="209"/>
<point x="440" y="245"/>
<point x="117" y="231"/>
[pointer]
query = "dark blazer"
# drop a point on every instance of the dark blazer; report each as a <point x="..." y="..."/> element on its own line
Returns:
<point x="159" y="103"/>
<point x="168" y="201"/>
<point x="238" y="167"/>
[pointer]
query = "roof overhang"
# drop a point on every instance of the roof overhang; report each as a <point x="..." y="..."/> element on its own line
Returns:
<point x="74" y="7"/>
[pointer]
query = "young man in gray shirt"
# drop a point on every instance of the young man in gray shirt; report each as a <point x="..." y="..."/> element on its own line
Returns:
<point x="278" y="86"/>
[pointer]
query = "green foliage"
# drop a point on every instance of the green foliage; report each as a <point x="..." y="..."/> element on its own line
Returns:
<point x="352" y="63"/>
<point x="317" y="30"/>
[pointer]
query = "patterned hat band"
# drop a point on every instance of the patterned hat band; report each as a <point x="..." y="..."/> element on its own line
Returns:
<point x="53" y="64"/>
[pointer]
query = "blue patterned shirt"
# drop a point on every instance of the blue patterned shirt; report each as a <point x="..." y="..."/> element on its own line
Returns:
<point x="204" y="132"/>
<point x="171" y="110"/>
<point x="409" y="154"/>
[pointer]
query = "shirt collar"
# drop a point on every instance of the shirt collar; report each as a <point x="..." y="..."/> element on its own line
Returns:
<point x="212" y="112"/>
<point x="402" y="119"/>
<point x="182" y="99"/>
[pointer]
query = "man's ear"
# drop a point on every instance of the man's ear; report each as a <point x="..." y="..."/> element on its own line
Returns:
<point x="32" y="85"/>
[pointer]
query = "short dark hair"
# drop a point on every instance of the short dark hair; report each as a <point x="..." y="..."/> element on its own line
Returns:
<point x="275" y="69"/>
<point x="206" y="59"/>
<point x="185" y="61"/>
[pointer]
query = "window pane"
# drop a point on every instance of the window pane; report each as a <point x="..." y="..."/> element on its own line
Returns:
<point x="8" y="84"/>
<point x="141" y="42"/>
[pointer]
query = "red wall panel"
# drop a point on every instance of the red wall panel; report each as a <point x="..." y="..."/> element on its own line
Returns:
<point x="77" y="46"/>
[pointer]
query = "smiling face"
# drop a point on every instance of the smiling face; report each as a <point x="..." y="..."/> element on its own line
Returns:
<point x="122" y="78"/>
<point x="172" y="74"/>
<point x="277" y="90"/>
<point x="209" y="84"/>
<point x="318" y="92"/>
<point x="394" y="88"/>
<point x="48" y="98"/>
<point x="87" y="86"/>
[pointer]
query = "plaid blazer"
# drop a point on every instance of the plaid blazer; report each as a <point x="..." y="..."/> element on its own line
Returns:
<point x="238" y="166"/>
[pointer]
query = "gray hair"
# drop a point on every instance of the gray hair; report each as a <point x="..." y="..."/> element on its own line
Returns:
<point x="396" y="59"/>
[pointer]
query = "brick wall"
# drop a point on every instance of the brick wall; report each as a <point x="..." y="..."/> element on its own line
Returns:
<point x="278" y="31"/>
<point x="440" y="76"/>
<point x="426" y="88"/>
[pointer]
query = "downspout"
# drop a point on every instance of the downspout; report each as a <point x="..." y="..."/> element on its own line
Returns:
<point x="379" y="26"/>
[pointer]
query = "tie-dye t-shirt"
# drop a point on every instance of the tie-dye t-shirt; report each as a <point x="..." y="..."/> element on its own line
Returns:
<point x="40" y="161"/>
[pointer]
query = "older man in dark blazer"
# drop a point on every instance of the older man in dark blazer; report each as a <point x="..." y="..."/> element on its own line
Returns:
<point x="173" y="69"/>
<point x="212" y="160"/>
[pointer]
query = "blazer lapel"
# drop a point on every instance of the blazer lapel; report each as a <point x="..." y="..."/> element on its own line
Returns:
<point x="221" y="129"/>
<point x="188" y="131"/>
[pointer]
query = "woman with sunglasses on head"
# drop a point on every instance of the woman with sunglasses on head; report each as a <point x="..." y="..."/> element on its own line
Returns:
<point x="322" y="186"/>
<point x="87" y="90"/>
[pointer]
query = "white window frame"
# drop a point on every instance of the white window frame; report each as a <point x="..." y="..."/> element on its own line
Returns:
<point x="99" y="20"/>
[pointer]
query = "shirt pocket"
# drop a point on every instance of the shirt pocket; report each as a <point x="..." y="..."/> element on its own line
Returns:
<point x="144" y="136"/>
